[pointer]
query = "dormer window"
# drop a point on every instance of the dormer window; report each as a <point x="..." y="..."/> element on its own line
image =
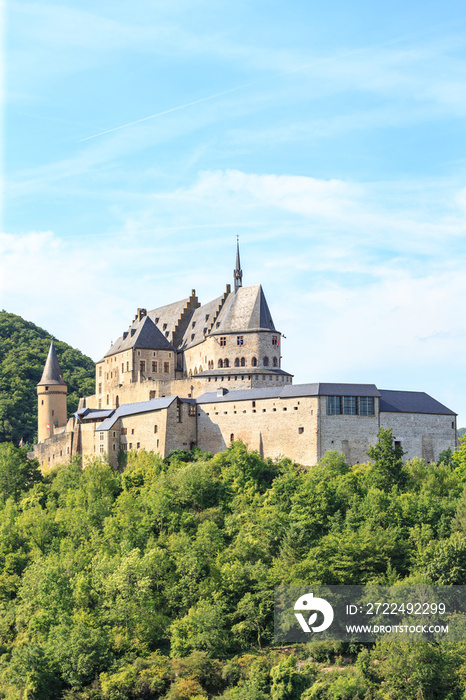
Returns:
<point x="194" y="323"/>
<point x="156" y="321"/>
<point x="207" y="317"/>
<point x="164" y="326"/>
<point x="193" y="335"/>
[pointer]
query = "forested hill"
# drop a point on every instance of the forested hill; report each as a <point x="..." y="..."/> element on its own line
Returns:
<point x="23" y="351"/>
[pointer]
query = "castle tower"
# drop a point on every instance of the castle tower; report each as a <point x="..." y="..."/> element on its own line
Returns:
<point x="51" y="395"/>
<point x="237" y="272"/>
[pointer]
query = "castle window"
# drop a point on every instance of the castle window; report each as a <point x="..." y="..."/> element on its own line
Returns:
<point x="139" y="353"/>
<point x="101" y="436"/>
<point x="156" y="427"/>
<point x="42" y="403"/>
<point x="156" y="321"/>
<point x="350" y="405"/>
<point x="366" y="406"/>
<point x="100" y="403"/>
<point x="220" y="364"/>
<point x="193" y="335"/>
<point x="53" y="413"/>
<point x="142" y="366"/>
<point x="300" y="430"/>
<point x="207" y="317"/>
<point x="243" y="362"/>
<point x="275" y="340"/>
<point x="194" y="323"/>
<point x="166" y="334"/>
<point x="333" y="405"/>
<point x="218" y="324"/>
<point x="46" y="388"/>
<point x="232" y="437"/>
<point x="130" y="445"/>
<point x="154" y="367"/>
<point x="127" y="366"/>
<point x="191" y="410"/>
<point x="108" y="399"/>
<point x="237" y="362"/>
<point x="166" y="367"/>
<point x="239" y="340"/>
<point x="114" y="447"/>
<point x="266" y="361"/>
<point x="226" y="362"/>
<point x="254" y="362"/>
<point x="275" y="362"/>
<point x="223" y="341"/>
<point x="178" y="411"/>
<point x="101" y="449"/>
<point x="124" y="447"/>
<point x="164" y="326"/>
<point x="123" y="431"/>
<point x="397" y="443"/>
<point x="157" y="443"/>
<point x="254" y="404"/>
<point x="138" y="445"/>
<point x="100" y="371"/>
<point x="132" y="431"/>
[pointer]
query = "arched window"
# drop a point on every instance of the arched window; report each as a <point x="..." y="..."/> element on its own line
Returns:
<point x="275" y="362"/>
<point x="232" y="437"/>
<point x="226" y="362"/>
<point x="243" y="362"/>
<point x="254" y="361"/>
<point x="237" y="362"/>
<point x="220" y="364"/>
<point x="266" y="361"/>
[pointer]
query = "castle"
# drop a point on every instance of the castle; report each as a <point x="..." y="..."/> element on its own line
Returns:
<point x="188" y="374"/>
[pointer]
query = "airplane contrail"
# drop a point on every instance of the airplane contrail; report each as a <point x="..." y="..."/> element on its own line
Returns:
<point x="328" y="59"/>
<point x="167" y="111"/>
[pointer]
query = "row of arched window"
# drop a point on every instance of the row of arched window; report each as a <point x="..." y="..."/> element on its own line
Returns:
<point x="241" y="362"/>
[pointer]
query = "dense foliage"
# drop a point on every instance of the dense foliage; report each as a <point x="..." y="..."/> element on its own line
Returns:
<point x="23" y="352"/>
<point x="157" y="582"/>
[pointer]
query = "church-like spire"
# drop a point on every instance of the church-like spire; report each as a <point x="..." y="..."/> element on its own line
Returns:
<point x="52" y="371"/>
<point x="237" y="272"/>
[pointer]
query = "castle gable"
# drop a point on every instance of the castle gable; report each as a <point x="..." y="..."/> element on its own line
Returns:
<point x="141" y="334"/>
<point x="245" y="310"/>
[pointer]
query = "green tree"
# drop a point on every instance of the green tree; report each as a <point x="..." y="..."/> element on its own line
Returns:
<point x="17" y="472"/>
<point x="388" y="468"/>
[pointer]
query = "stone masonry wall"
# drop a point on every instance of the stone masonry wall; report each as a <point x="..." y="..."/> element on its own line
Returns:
<point x="422" y="435"/>
<point x="274" y="427"/>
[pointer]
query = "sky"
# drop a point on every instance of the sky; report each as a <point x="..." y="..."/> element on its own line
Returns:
<point x="139" y="139"/>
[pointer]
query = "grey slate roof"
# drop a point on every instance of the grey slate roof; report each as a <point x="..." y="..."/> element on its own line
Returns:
<point x="195" y="335"/>
<point x="240" y="371"/>
<point x="245" y="310"/>
<point x="316" y="389"/>
<point x="129" y="409"/>
<point x="52" y="371"/>
<point x="141" y="334"/>
<point x="411" y="402"/>
<point x="93" y="413"/>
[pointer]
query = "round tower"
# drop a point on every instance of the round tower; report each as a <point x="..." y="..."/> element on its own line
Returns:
<point x="51" y="396"/>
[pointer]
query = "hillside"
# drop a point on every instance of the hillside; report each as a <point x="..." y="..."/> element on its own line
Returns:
<point x="158" y="582"/>
<point x="23" y="351"/>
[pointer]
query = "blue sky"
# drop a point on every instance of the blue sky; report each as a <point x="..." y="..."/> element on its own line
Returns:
<point x="139" y="139"/>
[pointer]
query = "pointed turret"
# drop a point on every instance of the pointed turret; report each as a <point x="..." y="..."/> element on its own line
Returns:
<point x="52" y="371"/>
<point x="51" y="395"/>
<point x="237" y="272"/>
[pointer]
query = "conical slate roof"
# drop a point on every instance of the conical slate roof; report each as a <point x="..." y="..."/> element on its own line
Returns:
<point x="142" y="334"/>
<point x="52" y="371"/>
<point x="245" y="310"/>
